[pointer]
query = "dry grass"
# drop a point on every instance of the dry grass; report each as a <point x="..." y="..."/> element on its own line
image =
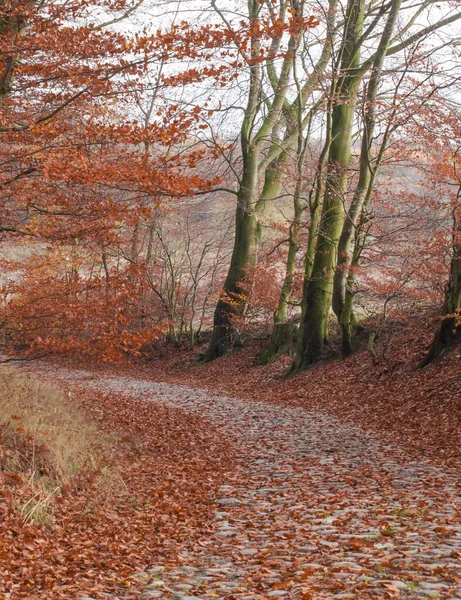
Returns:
<point x="49" y="442"/>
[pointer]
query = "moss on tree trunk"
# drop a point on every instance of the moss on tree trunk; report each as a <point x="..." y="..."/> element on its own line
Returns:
<point x="351" y="239"/>
<point x="319" y="287"/>
<point x="283" y="340"/>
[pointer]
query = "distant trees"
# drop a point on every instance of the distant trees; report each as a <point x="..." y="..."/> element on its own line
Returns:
<point x="113" y="296"/>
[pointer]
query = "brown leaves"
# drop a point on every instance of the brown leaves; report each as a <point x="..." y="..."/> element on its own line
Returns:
<point x="101" y="537"/>
<point x="418" y="409"/>
<point x="360" y="521"/>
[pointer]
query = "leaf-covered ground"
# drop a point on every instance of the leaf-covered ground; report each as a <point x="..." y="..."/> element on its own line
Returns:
<point x="344" y="482"/>
<point x="418" y="409"/>
<point x="101" y="537"/>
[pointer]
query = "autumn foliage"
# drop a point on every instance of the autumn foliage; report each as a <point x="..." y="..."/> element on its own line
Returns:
<point x="110" y="132"/>
<point x="179" y="180"/>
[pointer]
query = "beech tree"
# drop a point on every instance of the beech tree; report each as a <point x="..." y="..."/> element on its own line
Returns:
<point x="71" y="81"/>
<point x="357" y="40"/>
<point x="268" y="111"/>
<point x="338" y="224"/>
<point x="101" y="126"/>
<point x="78" y="169"/>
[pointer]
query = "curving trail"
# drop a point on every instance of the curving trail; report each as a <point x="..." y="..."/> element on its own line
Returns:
<point x="320" y="509"/>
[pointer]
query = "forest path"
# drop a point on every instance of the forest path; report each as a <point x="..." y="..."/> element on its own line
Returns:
<point x="321" y="508"/>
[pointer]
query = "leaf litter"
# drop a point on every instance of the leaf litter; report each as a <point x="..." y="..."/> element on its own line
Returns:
<point x="341" y="483"/>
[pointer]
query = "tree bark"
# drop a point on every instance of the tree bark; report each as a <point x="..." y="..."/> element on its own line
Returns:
<point x="283" y="337"/>
<point x="452" y="308"/>
<point x="234" y="299"/>
<point x="344" y="276"/>
<point x="318" y="290"/>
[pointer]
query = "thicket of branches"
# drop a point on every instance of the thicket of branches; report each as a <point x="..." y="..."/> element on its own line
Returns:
<point x="260" y="168"/>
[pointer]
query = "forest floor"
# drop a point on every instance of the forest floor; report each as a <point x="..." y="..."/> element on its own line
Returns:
<point x="344" y="482"/>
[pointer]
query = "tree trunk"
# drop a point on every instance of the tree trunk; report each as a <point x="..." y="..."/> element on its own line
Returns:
<point x="450" y="321"/>
<point x="318" y="290"/>
<point x="233" y="302"/>
<point x="347" y="320"/>
<point x="344" y="276"/>
<point x="283" y="340"/>
<point x="283" y="336"/>
<point x="281" y="314"/>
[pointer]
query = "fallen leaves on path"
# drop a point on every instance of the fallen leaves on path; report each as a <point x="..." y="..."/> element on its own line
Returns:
<point x="170" y="465"/>
<point x="321" y="508"/>
<point x="344" y="483"/>
<point x="419" y="409"/>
